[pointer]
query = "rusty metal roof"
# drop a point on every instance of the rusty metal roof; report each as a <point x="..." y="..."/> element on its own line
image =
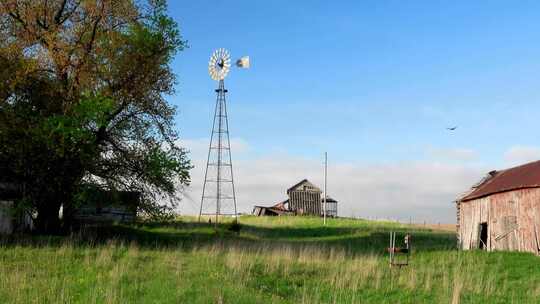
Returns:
<point x="524" y="176"/>
<point x="281" y="206"/>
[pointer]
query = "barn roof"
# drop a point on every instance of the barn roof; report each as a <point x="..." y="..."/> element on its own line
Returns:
<point x="520" y="177"/>
<point x="303" y="182"/>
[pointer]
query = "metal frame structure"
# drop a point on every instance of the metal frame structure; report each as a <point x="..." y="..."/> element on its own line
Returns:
<point x="219" y="143"/>
<point x="406" y="250"/>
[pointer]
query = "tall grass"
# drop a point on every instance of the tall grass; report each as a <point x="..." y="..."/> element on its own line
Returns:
<point x="271" y="260"/>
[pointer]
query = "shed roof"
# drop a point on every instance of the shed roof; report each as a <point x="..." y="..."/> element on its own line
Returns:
<point x="328" y="199"/>
<point x="281" y="205"/>
<point x="520" y="177"/>
<point x="277" y="209"/>
<point x="301" y="183"/>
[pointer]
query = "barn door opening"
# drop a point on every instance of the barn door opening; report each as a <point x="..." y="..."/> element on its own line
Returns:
<point x="482" y="244"/>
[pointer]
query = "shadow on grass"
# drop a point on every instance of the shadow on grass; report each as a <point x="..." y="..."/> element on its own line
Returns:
<point x="188" y="235"/>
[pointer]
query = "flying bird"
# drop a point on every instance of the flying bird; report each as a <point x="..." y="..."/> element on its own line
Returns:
<point x="452" y="129"/>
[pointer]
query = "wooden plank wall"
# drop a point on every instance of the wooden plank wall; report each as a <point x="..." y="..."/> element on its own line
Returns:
<point x="305" y="202"/>
<point x="463" y="225"/>
<point x="458" y="223"/>
<point x="471" y="215"/>
<point x="331" y="208"/>
<point x="503" y="233"/>
<point x="513" y="220"/>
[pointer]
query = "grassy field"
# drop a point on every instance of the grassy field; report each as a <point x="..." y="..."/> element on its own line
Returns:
<point x="271" y="260"/>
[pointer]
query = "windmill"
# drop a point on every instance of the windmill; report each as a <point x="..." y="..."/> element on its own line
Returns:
<point x="218" y="194"/>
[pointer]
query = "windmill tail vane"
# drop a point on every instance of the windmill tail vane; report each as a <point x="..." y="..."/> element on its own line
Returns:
<point x="243" y="62"/>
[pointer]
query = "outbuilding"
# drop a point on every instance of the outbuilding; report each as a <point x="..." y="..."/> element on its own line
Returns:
<point x="275" y="210"/>
<point x="12" y="219"/>
<point x="100" y="207"/>
<point x="106" y="206"/>
<point x="304" y="199"/>
<point x="331" y="206"/>
<point x="502" y="212"/>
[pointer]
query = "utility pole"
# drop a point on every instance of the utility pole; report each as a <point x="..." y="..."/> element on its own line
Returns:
<point x="325" y="184"/>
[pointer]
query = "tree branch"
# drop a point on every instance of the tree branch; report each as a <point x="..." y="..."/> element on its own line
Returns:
<point x="68" y="15"/>
<point x="59" y="13"/>
<point x="17" y="17"/>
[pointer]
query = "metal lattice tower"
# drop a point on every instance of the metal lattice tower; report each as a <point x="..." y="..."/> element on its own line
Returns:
<point x="218" y="195"/>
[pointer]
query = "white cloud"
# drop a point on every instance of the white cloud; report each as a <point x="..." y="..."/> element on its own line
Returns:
<point x="454" y="154"/>
<point x="418" y="190"/>
<point x="521" y="154"/>
<point x="403" y="190"/>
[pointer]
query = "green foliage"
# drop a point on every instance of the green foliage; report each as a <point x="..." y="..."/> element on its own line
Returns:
<point x="159" y="35"/>
<point x="74" y="132"/>
<point x="163" y="166"/>
<point x="165" y="28"/>
<point x="82" y="102"/>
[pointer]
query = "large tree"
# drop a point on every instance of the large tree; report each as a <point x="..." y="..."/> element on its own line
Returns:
<point x="82" y="103"/>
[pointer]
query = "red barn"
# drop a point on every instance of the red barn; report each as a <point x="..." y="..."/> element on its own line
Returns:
<point x="502" y="212"/>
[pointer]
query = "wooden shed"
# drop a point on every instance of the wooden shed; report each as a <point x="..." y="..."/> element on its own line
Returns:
<point x="100" y="207"/>
<point x="104" y="206"/>
<point x="331" y="206"/>
<point x="275" y="210"/>
<point x="305" y="198"/>
<point x="502" y="212"/>
<point x="12" y="219"/>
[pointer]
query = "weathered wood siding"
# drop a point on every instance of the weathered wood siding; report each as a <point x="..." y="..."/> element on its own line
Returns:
<point x="331" y="208"/>
<point x="305" y="202"/>
<point x="513" y="220"/>
<point x="113" y="214"/>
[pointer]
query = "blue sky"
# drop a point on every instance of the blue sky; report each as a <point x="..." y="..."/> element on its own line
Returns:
<point x="374" y="83"/>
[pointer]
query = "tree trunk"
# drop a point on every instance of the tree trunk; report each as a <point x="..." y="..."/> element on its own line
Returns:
<point x="68" y="212"/>
<point x="48" y="221"/>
